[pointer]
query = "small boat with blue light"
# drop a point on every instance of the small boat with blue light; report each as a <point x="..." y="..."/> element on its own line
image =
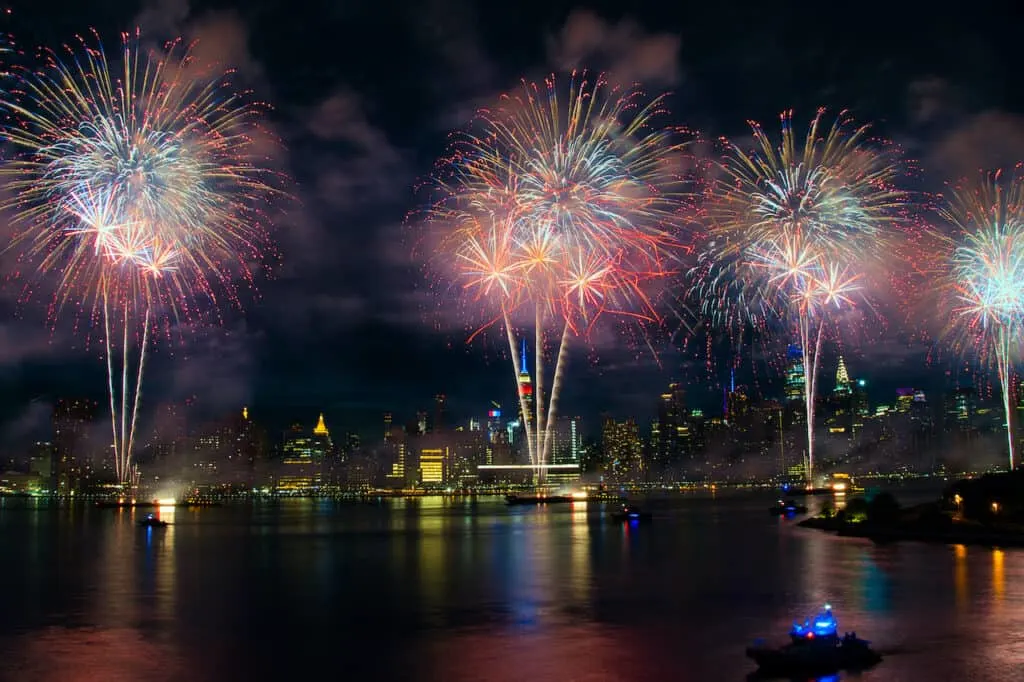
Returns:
<point x="787" y="508"/>
<point x="815" y="648"/>
<point x="151" y="521"/>
<point x="632" y="513"/>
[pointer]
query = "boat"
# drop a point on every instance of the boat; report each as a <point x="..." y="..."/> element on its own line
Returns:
<point x="842" y="484"/>
<point x="538" y="499"/>
<point x="151" y="521"/>
<point x="603" y="494"/>
<point x="801" y="492"/>
<point x="787" y="508"/>
<point x="815" y="648"/>
<point x="632" y="513"/>
<point x="153" y="504"/>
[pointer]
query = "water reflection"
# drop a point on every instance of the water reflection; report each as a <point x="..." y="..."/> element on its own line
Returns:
<point x="93" y="655"/>
<point x="428" y="525"/>
<point x="115" y="601"/>
<point x="998" y="575"/>
<point x="164" y="564"/>
<point x="450" y="590"/>
<point x="579" y="577"/>
<point x="875" y="586"/>
<point x="960" y="576"/>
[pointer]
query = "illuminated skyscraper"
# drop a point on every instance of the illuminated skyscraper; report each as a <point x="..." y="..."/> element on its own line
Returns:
<point x="434" y="458"/>
<point x="305" y="457"/>
<point x="72" y="456"/>
<point x="623" y="449"/>
<point x="843" y="384"/>
<point x="498" y="450"/>
<point x="842" y="418"/>
<point x="794" y="385"/>
<point x="861" y="407"/>
<point x="670" y="437"/>
<point x="495" y="425"/>
<point x="525" y="391"/>
<point x="320" y="430"/>
<point x="395" y="445"/>
<point x="440" y="422"/>
<point x="567" y="441"/>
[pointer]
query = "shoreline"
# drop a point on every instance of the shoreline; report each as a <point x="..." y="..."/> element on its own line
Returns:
<point x="965" y="535"/>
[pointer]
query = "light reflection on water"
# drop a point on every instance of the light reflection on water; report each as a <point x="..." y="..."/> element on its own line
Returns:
<point x="467" y="589"/>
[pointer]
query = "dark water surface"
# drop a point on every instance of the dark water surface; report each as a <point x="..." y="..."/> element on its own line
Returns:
<point x="457" y="590"/>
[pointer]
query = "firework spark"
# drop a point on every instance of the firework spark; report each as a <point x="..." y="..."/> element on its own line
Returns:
<point x="141" y="188"/>
<point x="981" y="275"/>
<point x="562" y="209"/>
<point x="794" y="230"/>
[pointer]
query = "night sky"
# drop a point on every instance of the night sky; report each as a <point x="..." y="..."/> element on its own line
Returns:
<point x="365" y="94"/>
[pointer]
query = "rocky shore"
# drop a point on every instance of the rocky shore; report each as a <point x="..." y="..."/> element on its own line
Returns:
<point x="981" y="511"/>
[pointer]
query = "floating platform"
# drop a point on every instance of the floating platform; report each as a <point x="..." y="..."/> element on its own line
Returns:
<point x="142" y="504"/>
<point x="538" y="499"/>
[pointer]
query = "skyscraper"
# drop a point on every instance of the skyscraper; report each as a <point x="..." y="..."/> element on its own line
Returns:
<point x="72" y="454"/>
<point x="671" y="435"/>
<point x="861" y="406"/>
<point x="841" y="419"/>
<point x="843" y="384"/>
<point x="623" y="449"/>
<point x="440" y="422"/>
<point x="567" y="441"/>
<point x="525" y="391"/>
<point x="794" y="386"/>
<point x="305" y="455"/>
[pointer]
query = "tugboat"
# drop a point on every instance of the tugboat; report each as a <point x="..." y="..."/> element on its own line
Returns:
<point x="815" y="649"/>
<point x="632" y="513"/>
<point x="787" y="508"/>
<point x="151" y="521"/>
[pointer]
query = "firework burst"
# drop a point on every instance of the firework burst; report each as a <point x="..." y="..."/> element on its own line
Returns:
<point x="140" y="188"/>
<point x="981" y="276"/>
<point x="559" y="206"/>
<point x="795" y="227"/>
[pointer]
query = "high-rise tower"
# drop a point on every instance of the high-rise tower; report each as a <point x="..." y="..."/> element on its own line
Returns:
<point x="794" y="385"/>
<point x="72" y="456"/>
<point x="525" y="391"/>
<point x="843" y="384"/>
<point x="440" y="422"/>
<point x="321" y="428"/>
<point x="671" y="440"/>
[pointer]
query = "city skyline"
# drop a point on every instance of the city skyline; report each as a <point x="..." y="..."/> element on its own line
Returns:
<point x="746" y="439"/>
<point x="711" y="401"/>
<point x="355" y="339"/>
<point x="364" y="420"/>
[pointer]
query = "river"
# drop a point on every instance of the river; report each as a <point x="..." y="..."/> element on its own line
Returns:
<point x="463" y="590"/>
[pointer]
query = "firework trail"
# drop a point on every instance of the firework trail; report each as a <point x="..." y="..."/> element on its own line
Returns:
<point x="980" y="276"/>
<point x="140" y="189"/>
<point x="795" y="227"/>
<point x="559" y="207"/>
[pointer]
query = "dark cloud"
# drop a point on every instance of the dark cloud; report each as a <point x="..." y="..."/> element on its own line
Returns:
<point x="362" y="167"/>
<point x="625" y="50"/>
<point x="30" y="424"/>
<point x="987" y="141"/>
<point x="930" y="100"/>
<point x="365" y="95"/>
<point x="213" y="361"/>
